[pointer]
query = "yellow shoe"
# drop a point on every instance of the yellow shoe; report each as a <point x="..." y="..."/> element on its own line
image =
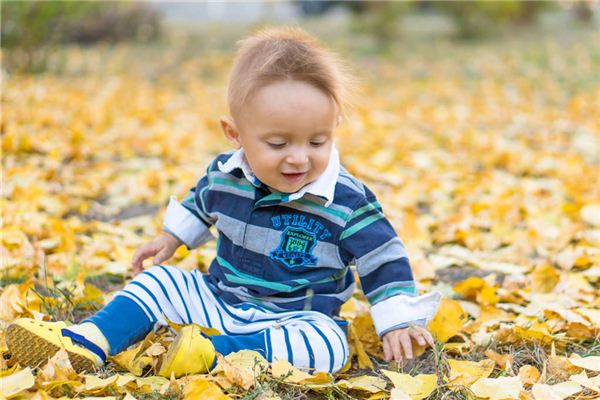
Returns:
<point x="33" y="342"/>
<point x="190" y="353"/>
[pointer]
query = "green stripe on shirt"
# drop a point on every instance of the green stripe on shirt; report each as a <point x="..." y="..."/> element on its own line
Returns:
<point x="371" y="206"/>
<point x="362" y="224"/>
<point x="408" y="290"/>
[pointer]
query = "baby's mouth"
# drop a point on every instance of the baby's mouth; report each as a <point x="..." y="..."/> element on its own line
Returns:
<point x="294" y="177"/>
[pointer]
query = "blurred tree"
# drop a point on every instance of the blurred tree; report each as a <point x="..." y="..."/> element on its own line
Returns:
<point x="381" y="19"/>
<point x="30" y="29"/>
<point x="477" y="18"/>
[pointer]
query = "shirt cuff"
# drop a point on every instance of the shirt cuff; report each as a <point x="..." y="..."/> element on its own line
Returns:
<point x="398" y="311"/>
<point x="185" y="226"/>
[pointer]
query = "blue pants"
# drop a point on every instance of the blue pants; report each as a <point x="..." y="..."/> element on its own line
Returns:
<point x="309" y="340"/>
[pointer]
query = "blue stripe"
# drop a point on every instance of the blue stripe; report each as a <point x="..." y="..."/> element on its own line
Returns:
<point x="163" y="290"/>
<point x="342" y="343"/>
<point x="269" y="356"/>
<point x="187" y="312"/>
<point x="201" y="300"/>
<point x="286" y="336"/>
<point x="136" y="283"/>
<point x="327" y="344"/>
<point x="79" y="339"/>
<point x="311" y="354"/>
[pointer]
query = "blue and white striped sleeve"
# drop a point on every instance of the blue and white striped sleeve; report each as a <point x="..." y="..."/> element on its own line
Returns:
<point x="384" y="269"/>
<point x="189" y="220"/>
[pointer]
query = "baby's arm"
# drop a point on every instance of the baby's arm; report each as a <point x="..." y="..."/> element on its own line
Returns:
<point x="185" y="223"/>
<point x="398" y="312"/>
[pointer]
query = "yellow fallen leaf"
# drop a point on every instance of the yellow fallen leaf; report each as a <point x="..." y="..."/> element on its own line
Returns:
<point x="94" y="383"/>
<point x="357" y="346"/>
<point x="155" y="350"/>
<point x="124" y="379"/>
<point x="242" y="367"/>
<point x="399" y="394"/>
<point x="544" y="278"/>
<point x="590" y="383"/>
<point x="59" y="368"/>
<point x="203" y="389"/>
<point x="153" y="383"/>
<point x="502" y="360"/>
<point x="16" y="383"/>
<point x="458" y="348"/>
<point x="477" y="289"/>
<point x="529" y="374"/>
<point x="498" y="388"/>
<point x="591" y="363"/>
<point x="417" y="387"/>
<point x="559" y="367"/>
<point x="282" y="368"/>
<point x="132" y="360"/>
<point x="372" y="384"/>
<point x="559" y="391"/>
<point x="465" y="373"/>
<point x="448" y="321"/>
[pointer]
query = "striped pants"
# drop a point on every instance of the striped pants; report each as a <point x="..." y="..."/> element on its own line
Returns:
<point x="309" y="340"/>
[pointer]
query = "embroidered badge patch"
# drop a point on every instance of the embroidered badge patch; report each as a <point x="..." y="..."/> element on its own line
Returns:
<point x="296" y="248"/>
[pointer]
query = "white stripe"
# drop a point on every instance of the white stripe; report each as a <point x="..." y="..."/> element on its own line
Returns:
<point x="170" y="311"/>
<point x="278" y="347"/>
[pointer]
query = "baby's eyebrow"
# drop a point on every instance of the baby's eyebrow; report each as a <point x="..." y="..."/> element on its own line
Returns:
<point x="283" y="134"/>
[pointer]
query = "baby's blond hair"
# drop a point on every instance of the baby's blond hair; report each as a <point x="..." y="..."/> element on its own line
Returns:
<point x="276" y="54"/>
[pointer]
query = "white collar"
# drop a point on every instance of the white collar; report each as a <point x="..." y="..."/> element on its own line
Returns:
<point x="323" y="187"/>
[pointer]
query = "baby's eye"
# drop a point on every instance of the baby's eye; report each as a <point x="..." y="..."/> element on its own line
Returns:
<point x="317" y="144"/>
<point x="276" y="145"/>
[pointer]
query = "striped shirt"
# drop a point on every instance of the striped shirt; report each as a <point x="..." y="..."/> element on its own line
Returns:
<point x="292" y="251"/>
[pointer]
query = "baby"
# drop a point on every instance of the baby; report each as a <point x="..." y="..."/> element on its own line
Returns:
<point x="290" y="220"/>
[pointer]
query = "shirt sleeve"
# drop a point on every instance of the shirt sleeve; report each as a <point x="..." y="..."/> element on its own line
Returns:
<point x="384" y="269"/>
<point x="189" y="220"/>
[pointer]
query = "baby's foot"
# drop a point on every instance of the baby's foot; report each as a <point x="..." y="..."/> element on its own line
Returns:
<point x="33" y="342"/>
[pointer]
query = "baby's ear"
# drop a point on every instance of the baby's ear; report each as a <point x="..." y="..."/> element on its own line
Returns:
<point x="230" y="131"/>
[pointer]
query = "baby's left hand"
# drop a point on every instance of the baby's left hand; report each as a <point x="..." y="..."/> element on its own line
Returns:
<point x="398" y="343"/>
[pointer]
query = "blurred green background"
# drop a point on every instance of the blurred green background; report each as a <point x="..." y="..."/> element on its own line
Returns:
<point x="33" y="33"/>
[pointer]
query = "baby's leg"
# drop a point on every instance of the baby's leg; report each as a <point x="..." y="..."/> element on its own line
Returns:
<point x="312" y="342"/>
<point x="158" y="292"/>
<point x="138" y="308"/>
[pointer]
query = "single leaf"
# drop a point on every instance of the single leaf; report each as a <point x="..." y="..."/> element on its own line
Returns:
<point x="16" y="383"/>
<point x="559" y="391"/>
<point x="417" y="387"/>
<point x="498" y="388"/>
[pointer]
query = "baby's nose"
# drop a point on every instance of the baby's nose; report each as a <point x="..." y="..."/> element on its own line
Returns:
<point x="297" y="157"/>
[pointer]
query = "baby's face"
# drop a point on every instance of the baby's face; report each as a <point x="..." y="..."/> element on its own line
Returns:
<point x="287" y="131"/>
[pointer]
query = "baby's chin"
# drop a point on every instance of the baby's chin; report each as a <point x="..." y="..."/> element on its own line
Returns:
<point x="288" y="189"/>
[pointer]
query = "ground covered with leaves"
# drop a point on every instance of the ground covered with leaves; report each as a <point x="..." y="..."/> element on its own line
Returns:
<point x="485" y="156"/>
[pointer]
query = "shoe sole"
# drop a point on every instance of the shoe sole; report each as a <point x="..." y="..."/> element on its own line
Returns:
<point x="34" y="351"/>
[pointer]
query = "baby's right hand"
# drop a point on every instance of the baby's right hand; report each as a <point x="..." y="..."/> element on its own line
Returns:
<point x="161" y="247"/>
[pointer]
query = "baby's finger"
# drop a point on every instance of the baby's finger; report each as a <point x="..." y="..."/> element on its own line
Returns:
<point x="418" y="336"/>
<point x="407" y="346"/>
<point x="396" y="350"/>
<point x="428" y="338"/>
<point x="140" y="255"/>
<point x="161" y="256"/>
<point x="387" y="352"/>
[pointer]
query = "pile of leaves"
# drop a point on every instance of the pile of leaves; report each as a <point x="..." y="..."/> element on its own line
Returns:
<point x="487" y="162"/>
